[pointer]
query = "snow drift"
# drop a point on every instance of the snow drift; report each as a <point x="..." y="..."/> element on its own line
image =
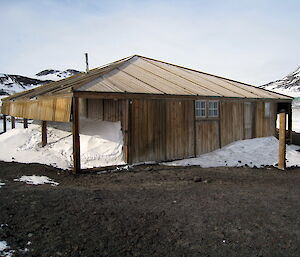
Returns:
<point x="257" y="152"/>
<point x="101" y="145"/>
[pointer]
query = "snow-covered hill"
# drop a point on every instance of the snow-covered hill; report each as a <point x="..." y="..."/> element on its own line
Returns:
<point x="10" y="84"/>
<point x="55" y="75"/>
<point x="289" y="85"/>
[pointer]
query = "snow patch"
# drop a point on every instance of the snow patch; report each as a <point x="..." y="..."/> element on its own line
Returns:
<point x="37" y="180"/>
<point x="101" y="145"/>
<point x="4" y="249"/>
<point x="1" y="184"/>
<point x="257" y="152"/>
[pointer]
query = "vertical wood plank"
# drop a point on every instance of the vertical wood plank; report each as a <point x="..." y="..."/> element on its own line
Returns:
<point x="290" y="124"/>
<point x="282" y="124"/>
<point x="25" y="123"/>
<point x="4" y="123"/>
<point x="76" y="139"/>
<point x="44" y="133"/>
<point x="13" y="122"/>
<point x="195" y="134"/>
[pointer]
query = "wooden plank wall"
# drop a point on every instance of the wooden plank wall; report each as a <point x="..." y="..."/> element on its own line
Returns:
<point x="161" y="130"/>
<point x="179" y="129"/>
<point x="207" y="136"/>
<point x="232" y="122"/>
<point x="49" y="109"/>
<point x="265" y="126"/>
<point x="147" y="130"/>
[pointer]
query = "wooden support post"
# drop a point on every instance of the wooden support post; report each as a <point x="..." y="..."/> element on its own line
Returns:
<point x="25" y="123"/>
<point x="44" y="133"/>
<point x="282" y="124"/>
<point x="13" y="122"/>
<point x="290" y="124"/>
<point x="75" y="132"/>
<point x="4" y="123"/>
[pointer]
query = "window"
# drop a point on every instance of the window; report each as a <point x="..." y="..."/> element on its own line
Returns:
<point x="206" y="109"/>
<point x="200" y="108"/>
<point x="267" y="110"/>
<point x="213" y="110"/>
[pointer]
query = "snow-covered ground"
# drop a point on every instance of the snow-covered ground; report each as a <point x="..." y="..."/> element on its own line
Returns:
<point x="36" y="180"/>
<point x="101" y="145"/>
<point x="8" y="125"/>
<point x="1" y="184"/>
<point x="5" y="249"/>
<point x="257" y="152"/>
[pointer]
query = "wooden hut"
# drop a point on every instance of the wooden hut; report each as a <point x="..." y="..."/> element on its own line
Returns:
<point x="167" y="112"/>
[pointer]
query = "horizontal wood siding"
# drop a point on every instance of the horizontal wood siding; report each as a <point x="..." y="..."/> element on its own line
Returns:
<point x="207" y="136"/>
<point x="232" y="122"/>
<point x="179" y="129"/>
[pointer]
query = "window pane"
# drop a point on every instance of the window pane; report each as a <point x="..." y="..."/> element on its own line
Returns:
<point x="200" y="108"/>
<point x="213" y="109"/>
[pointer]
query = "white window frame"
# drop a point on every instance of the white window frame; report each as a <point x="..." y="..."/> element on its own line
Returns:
<point x="203" y="112"/>
<point x="214" y="109"/>
<point x="199" y="109"/>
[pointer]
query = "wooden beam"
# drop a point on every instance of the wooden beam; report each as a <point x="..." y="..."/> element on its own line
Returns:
<point x="195" y="129"/>
<point x="4" y="123"/>
<point x="282" y="124"/>
<point x="44" y="133"/>
<point x="290" y="124"/>
<point x="130" y="136"/>
<point x="13" y="122"/>
<point x="25" y="123"/>
<point x="125" y="95"/>
<point x="75" y="132"/>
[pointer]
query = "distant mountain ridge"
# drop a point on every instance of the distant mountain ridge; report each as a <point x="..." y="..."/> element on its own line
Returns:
<point x="289" y="85"/>
<point x="11" y="84"/>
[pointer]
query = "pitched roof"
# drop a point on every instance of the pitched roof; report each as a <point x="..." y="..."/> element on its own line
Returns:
<point x="138" y="74"/>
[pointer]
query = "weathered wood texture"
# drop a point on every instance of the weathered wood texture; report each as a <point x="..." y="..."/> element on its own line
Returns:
<point x="148" y="138"/>
<point x="13" y="122"/>
<point x="161" y="130"/>
<point x="50" y="109"/>
<point x="265" y="125"/>
<point x="25" y="123"/>
<point x="75" y="133"/>
<point x="179" y="129"/>
<point x="232" y="122"/>
<point x="4" y="123"/>
<point x="282" y="150"/>
<point x="44" y="133"/>
<point x="249" y="128"/>
<point x="207" y="136"/>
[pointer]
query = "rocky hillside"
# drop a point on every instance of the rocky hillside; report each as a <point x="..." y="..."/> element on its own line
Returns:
<point x="289" y="85"/>
<point x="10" y="84"/>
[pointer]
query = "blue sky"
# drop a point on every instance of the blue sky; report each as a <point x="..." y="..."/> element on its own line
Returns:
<point x="251" y="41"/>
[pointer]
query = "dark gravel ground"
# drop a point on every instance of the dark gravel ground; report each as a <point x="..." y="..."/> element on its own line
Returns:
<point x="152" y="211"/>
